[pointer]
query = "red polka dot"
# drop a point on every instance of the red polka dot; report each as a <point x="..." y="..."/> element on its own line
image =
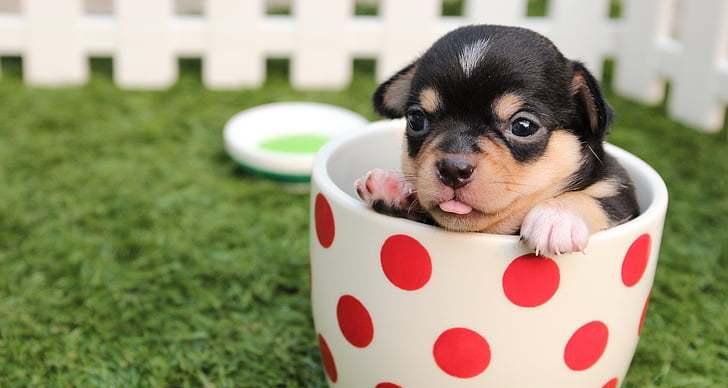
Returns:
<point x="462" y="353"/>
<point x="635" y="261"/>
<point x="354" y="321"/>
<point x="406" y="262"/>
<point x="586" y="346"/>
<point x="530" y="280"/>
<point x="644" y="315"/>
<point x="328" y="359"/>
<point x="387" y="385"/>
<point x="324" y="219"/>
<point x="613" y="383"/>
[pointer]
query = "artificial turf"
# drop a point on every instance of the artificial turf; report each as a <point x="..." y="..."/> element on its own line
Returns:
<point x="135" y="253"/>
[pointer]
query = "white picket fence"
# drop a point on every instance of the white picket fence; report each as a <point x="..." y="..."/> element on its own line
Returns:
<point x="234" y="37"/>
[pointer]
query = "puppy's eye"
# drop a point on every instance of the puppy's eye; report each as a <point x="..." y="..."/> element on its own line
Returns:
<point x="417" y="124"/>
<point x="524" y="125"/>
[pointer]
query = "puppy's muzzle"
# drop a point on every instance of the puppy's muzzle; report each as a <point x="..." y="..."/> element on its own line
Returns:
<point x="455" y="172"/>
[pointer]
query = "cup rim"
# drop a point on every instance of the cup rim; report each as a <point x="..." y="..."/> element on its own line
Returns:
<point x="656" y="209"/>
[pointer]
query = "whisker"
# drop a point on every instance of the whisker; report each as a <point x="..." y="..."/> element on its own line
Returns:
<point x="593" y="153"/>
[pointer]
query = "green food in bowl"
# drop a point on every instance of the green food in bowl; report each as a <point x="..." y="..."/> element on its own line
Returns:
<point x="306" y="143"/>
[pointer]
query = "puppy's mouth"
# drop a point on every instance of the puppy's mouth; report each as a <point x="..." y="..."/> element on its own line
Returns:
<point x="455" y="206"/>
<point x="454" y="203"/>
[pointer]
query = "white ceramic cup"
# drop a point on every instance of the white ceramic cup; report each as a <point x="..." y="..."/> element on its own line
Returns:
<point x="402" y="304"/>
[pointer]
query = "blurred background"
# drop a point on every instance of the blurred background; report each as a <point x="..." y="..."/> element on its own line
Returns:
<point x="135" y="252"/>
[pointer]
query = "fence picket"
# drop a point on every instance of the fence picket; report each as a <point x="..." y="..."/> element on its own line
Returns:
<point x="695" y="94"/>
<point x="54" y="48"/>
<point x="496" y="11"/>
<point x="321" y="58"/>
<point x="637" y="71"/>
<point x="144" y="57"/>
<point x="584" y="38"/>
<point x="409" y="27"/>
<point x="234" y="56"/>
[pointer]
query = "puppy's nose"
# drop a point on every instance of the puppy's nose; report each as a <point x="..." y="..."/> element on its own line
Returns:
<point x="455" y="172"/>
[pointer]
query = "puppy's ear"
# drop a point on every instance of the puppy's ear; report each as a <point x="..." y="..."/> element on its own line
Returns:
<point x="594" y="112"/>
<point x="390" y="99"/>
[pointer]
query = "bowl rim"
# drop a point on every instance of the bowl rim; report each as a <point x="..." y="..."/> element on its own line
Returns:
<point x="321" y="178"/>
<point x="246" y="130"/>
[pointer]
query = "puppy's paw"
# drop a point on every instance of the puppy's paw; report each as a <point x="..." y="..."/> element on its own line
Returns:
<point x="385" y="190"/>
<point x="551" y="229"/>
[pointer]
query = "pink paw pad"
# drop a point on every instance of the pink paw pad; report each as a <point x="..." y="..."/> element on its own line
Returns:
<point x="389" y="187"/>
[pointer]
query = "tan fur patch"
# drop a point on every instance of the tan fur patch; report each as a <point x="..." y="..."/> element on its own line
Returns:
<point x="580" y="86"/>
<point x="413" y="167"/>
<point x="430" y="100"/>
<point x="427" y="181"/>
<point x="408" y="165"/>
<point x="603" y="189"/>
<point x="507" y="105"/>
<point x="578" y="83"/>
<point x="395" y="97"/>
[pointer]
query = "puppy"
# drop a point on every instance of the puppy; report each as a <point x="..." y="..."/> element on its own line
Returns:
<point x="504" y="135"/>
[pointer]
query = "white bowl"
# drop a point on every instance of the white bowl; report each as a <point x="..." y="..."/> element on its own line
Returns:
<point x="246" y="131"/>
<point x="414" y="306"/>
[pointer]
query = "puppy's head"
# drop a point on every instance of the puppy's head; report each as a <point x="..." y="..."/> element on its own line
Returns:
<point x="497" y="119"/>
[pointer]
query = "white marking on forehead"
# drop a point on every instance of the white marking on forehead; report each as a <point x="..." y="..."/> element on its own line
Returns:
<point x="472" y="54"/>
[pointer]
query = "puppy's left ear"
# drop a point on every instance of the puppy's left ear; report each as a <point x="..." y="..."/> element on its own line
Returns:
<point x="594" y="112"/>
<point x="390" y="99"/>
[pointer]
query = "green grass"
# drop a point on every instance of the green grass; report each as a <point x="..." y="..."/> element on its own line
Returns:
<point x="535" y="8"/>
<point x="453" y="8"/>
<point x="616" y="9"/>
<point x="279" y="9"/>
<point x="366" y="9"/>
<point x="135" y="253"/>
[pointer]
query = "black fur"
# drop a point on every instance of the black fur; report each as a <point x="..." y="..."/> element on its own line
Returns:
<point x="622" y="206"/>
<point x="414" y="213"/>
